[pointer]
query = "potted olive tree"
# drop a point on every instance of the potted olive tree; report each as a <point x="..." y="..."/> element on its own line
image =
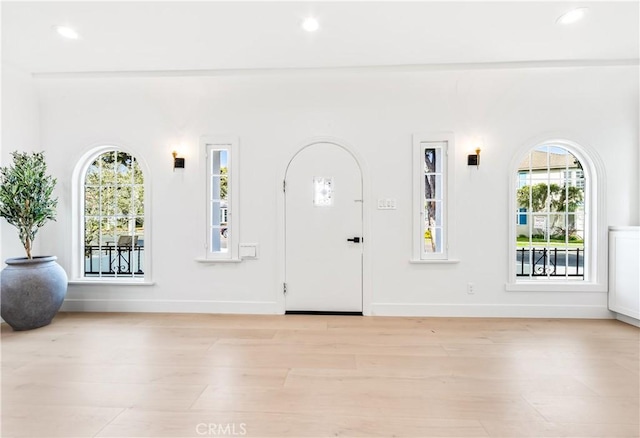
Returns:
<point x="33" y="288"/>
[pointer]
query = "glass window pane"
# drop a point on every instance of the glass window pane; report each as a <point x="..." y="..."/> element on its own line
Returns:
<point x="429" y="240"/>
<point x="107" y="201"/>
<point x="135" y="165"/>
<point x="92" y="201"/>
<point x="432" y="159"/>
<point x="124" y="200"/>
<point x="219" y="162"/>
<point x="542" y="148"/>
<point x="523" y="179"/>
<point x="572" y="226"/>
<point x="433" y="240"/>
<point x="216" y="189"/>
<point x="216" y="213"/>
<point x="219" y="226"/>
<point x="139" y="229"/>
<point x="93" y="174"/>
<point x="107" y="168"/>
<point x="224" y="213"/>
<point x="137" y="259"/>
<point x="522" y="220"/>
<point x="433" y="213"/>
<point x="91" y="231"/>
<point x="224" y="184"/>
<point x="224" y="238"/>
<point x="322" y="191"/>
<point x="579" y="179"/>
<point x="523" y="264"/>
<point x="219" y="235"/>
<point x="433" y="187"/>
<point x="537" y="197"/>
<point x="107" y="231"/>
<point x="92" y="251"/>
<point x="558" y="227"/>
<point x="579" y="224"/>
<point x="138" y="200"/>
<point x="438" y="231"/>
<point x="124" y="227"/>
<point x="224" y="161"/>
<point x="124" y="169"/>
<point x="539" y="225"/>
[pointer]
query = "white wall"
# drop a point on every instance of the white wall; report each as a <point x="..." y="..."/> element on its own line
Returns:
<point x="20" y="132"/>
<point x="375" y="111"/>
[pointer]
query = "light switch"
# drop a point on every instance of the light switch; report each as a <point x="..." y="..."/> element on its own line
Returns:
<point x="386" y="204"/>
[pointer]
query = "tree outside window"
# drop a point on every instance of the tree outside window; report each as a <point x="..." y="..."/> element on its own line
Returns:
<point x="113" y="210"/>
<point x="550" y="214"/>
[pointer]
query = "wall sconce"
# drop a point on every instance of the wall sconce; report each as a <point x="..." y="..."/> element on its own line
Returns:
<point x="474" y="159"/>
<point x="178" y="163"/>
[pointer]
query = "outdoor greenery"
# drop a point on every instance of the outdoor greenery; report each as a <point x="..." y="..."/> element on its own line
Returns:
<point x="223" y="182"/>
<point x="553" y="198"/>
<point x="552" y="238"/>
<point x="114" y="198"/>
<point x="26" y="200"/>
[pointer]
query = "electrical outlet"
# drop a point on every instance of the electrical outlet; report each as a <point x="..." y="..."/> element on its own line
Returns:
<point x="470" y="289"/>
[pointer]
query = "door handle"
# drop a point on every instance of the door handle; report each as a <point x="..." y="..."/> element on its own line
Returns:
<point x="356" y="240"/>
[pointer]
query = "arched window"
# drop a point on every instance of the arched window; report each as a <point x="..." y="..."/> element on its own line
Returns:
<point x="554" y="205"/>
<point x="111" y="203"/>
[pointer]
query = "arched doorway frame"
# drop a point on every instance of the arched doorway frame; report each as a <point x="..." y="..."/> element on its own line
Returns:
<point x="367" y="296"/>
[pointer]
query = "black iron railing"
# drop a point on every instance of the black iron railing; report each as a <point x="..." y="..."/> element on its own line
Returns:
<point x="550" y="262"/>
<point x="110" y="260"/>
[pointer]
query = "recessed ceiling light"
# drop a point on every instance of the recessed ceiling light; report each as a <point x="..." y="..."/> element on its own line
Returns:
<point x="572" y="16"/>
<point x="67" y="32"/>
<point x="310" y="24"/>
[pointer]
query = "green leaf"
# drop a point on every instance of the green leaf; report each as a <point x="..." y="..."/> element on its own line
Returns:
<point x="26" y="191"/>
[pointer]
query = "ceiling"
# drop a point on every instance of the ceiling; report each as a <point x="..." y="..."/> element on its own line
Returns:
<point x="167" y="36"/>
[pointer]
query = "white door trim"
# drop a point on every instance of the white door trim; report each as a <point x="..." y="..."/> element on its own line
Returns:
<point x="367" y="297"/>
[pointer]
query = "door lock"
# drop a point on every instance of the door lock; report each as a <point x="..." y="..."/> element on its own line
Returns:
<point x="356" y="240"/>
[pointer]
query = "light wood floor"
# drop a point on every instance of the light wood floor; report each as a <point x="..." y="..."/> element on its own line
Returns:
<point x="160" y="375"/>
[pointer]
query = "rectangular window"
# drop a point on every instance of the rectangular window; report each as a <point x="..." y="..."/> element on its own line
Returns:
<point x="523" y="179"/>
<point x="222" y="194"/>
<point x="580" y="179"/>
<point x="522" y="217"/>
<point x="322" y="191"/>
<point x="219" y="184"/>
<point x="431" y="203"/>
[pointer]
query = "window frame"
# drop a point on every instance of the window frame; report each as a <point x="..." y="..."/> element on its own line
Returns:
<point x="418" y="229"/>
<point x="595" y="256"/>
<point x="231" y="144"/>
<point x="78" y="218"/>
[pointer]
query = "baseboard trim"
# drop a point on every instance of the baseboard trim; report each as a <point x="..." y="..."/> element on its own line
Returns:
<point x="492" y="310"/>
<point x="628" y="319"/>
<point x="170" y="306"/>
<point x="377" y="309"/>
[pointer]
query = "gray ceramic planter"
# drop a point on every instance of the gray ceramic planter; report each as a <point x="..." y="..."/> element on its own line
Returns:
<point x="32" y="291"/>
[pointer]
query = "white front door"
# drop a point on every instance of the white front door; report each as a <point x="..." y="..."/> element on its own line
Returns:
<point x="323" y="210"/>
